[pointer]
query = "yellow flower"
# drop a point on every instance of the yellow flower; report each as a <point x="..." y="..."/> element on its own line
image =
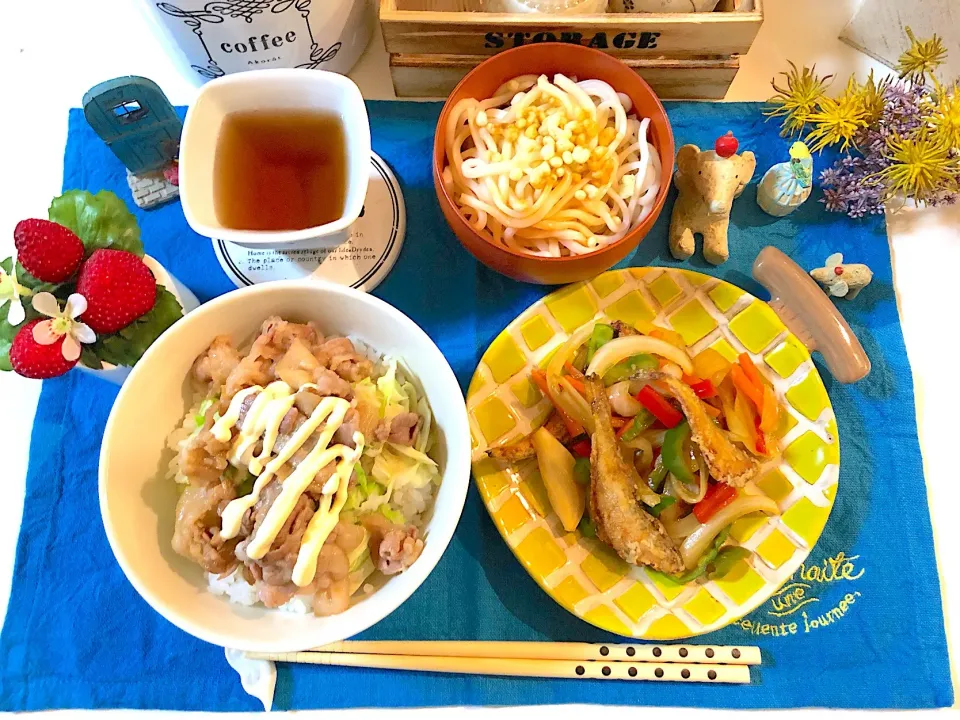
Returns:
<point x="871" y="98"/>
<point x="945" y="113"/>
<point x="920" y="166"/>
<point x="921" y="58"/>
<point x="795" y="102"/>
<point x="837" y="121"/>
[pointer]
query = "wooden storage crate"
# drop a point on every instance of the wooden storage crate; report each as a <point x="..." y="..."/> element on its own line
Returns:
<point x="434" y="43"/>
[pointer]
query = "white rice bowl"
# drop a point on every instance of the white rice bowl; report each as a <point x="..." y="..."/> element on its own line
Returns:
<point x="138" y="493"/>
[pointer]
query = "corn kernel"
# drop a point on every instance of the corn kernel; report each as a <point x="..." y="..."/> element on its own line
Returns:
<point x="580" y="154"/>
<point x="556" y="162"/>
<point x="576" y="177"/>
<point x="567" y="157"/>
<point x="516" y="174"/>
<point x="547" y="151"/>
<point x="530" y="132"/>
<point x="580" y="195"/>
<point x="521" y="122"/>
<point x="481" y="119"/>
<point x="561" y="172"/>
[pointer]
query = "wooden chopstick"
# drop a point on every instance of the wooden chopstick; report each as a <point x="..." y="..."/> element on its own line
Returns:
<point x="688" y="654"/>
<point x="522" y="667"/>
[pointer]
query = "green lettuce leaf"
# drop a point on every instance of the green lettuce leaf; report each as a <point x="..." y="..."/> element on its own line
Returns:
<point x="7" y="265"/>
<point x="100" y="221"/>
<point x="128" y="345"/>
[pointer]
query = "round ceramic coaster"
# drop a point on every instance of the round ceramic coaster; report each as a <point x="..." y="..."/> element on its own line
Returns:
<point x="362" y="261"/>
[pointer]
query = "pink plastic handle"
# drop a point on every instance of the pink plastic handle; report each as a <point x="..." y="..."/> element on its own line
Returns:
<point x="810" y="315"/>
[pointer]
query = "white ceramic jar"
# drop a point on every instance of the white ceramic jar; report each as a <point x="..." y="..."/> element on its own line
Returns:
<point x="215" y="38"/>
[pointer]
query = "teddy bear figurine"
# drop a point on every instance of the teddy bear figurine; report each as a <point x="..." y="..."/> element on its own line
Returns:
<point x="708" y="181"/>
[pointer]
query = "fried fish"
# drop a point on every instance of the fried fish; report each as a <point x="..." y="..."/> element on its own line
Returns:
<point x="727" y="462"/>
<point x="638" y="537"/>
<point x="523" y="448"/>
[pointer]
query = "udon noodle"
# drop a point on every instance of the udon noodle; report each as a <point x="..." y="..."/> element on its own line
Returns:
<point x="551" y="168"/>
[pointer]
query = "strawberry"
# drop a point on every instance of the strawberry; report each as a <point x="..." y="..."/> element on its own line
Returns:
<point x="50" y="252"/>
<point x="119" y="288"/>
<point x="726" y="145"/>
<point x="33" y="360"/>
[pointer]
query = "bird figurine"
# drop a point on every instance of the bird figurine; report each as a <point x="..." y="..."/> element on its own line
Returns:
<point x="785" y="186"/>
<point x="840" y="280"/>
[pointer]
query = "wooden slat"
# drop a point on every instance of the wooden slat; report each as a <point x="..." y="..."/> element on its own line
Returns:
<point x="434" y="76"/>
<point x="626" y="35"/>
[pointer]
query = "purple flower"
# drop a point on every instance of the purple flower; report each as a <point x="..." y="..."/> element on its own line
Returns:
<point x="833" y="202"/>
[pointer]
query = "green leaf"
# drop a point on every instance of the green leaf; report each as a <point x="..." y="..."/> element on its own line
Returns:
<point x="129" y="345"/>
<point x="7" y="265"/>
<point x="7" y="333"/>
<point x="100" y="221"/>
<point x="37" y="286"/>
<point x="88" y="358"/>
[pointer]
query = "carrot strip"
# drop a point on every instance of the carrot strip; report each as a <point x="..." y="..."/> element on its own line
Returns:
<point x="622" y="430"/>
<point x="574" y="373"/>
<point x="577" y="385"/>
<point x="619" y="422"/>
<point x="711" y="410"/>
<point x="750" y="370"/>
<point x="539" y="378"/>
<point x="743" y="384"/>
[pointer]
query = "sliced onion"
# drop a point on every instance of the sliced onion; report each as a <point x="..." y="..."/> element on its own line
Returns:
<point x="672" y="369"/>
<point x="624" y="347"/>
<point x="570" y="401"/>
<point x="655" y="437"/>
<point x="621" y="401"/>
<point x="700" y="539"/>
<point x="683" y="491"/>
<point x="681" y="528"/>
<point x="561" y="391"/>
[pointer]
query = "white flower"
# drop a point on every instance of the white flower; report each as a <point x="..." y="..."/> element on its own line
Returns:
<point x="62" y="324"/>
<point x="12" y="290"/>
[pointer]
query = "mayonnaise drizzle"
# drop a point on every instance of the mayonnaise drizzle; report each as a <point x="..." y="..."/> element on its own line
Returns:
<point x="262" y="421"/>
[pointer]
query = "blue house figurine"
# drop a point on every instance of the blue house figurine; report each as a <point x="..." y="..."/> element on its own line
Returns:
<point x="137" y="122"/>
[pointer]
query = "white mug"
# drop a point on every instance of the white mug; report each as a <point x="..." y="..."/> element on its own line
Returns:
<point x="271" y="90"/>
<point x="213" y="38"/>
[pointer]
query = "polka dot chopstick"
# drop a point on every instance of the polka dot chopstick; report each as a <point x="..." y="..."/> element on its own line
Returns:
<point x="679" y="663"/>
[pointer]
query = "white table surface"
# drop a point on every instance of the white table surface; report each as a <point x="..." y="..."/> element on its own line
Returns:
<point x="53" y="51"/>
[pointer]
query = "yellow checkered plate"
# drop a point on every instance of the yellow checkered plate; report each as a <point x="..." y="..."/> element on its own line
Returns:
<point x="582" y="574"/>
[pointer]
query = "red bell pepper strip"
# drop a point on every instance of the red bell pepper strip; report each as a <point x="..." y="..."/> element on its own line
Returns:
<point x="761" y="437"/>
<point x="703" y="389"/>
<point x="718" y="496"/>
<point x="661" y="409"/>
<point x="581" y="448"/>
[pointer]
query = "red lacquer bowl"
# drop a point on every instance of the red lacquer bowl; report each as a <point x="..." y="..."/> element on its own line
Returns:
<point x="583" y="63"/>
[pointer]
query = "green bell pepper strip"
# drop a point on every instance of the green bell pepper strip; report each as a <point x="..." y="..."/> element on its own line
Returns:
<point x="625" y="369"/>
<point x="706" y="559"/>
<point x="657" y="475"/>
<point x="581" y="471"/>
<point x="587" y="527"/>
<point x="664" y="503"/>
<point x="726" y="560"/>
<point x="602" y="334"/>
<point x="641" y="421"/>
<point x="580" y="359"/>
<point x="674" y="452"/>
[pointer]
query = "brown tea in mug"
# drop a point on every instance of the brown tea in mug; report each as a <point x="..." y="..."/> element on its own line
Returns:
<point x="279" y="170"/>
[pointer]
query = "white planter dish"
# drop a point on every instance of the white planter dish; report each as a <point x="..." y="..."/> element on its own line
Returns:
<point x="116" y="374"/>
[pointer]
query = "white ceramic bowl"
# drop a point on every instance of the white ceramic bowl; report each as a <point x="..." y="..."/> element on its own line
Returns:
<point x="137" y="504"/>
<point x="271" y="90"/>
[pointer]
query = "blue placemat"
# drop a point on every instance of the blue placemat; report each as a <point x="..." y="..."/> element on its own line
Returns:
<point x="869" y="631"/>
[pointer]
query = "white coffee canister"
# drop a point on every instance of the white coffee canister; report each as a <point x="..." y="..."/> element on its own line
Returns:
<point x="213" y="38"/>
